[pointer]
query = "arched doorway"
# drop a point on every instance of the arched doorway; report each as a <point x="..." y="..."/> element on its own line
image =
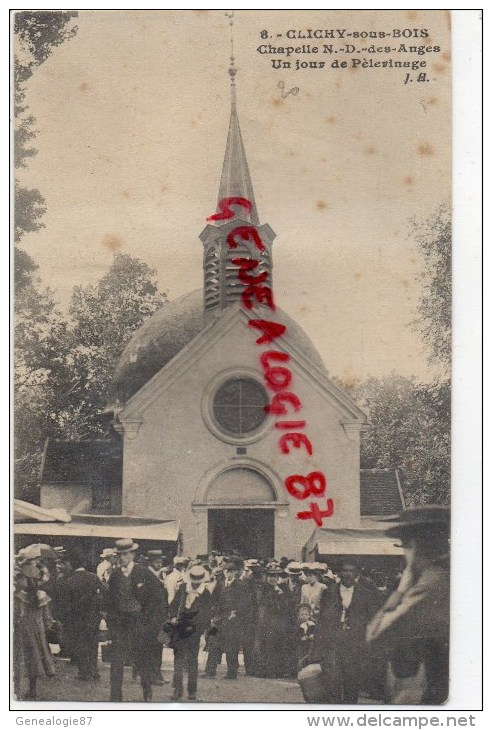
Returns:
<point x="241" y="513"/>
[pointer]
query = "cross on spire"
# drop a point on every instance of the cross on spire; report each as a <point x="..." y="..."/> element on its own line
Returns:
<point x="232" y="68"/>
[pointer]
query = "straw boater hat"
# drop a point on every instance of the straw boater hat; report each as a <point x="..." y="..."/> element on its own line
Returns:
<point x="125" y="545"/>
<point x="293" y="568"/>
<point x="197" y="573"/>
<point x="179" y="560"/>
<point x="416" y="521"/>
<point x="107" y="553"/>
<point x="309" y="567"/>
<point x="250" y="563"/>
<point x="273" y="569"/>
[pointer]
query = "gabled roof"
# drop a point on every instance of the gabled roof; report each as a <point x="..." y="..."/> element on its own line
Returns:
<point x="380" y="493"/>
<point x="173" y="330"/>
<point x="85" y="463"/>
<point x="294" y="341"/>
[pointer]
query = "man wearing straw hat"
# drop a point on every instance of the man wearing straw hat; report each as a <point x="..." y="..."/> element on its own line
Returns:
<point x="135" y="616"/>
<point x="413" y="624"/>
<point x="189" y="619"/>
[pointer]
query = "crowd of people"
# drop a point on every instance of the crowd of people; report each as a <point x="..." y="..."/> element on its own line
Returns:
<point x="282" y="615"/>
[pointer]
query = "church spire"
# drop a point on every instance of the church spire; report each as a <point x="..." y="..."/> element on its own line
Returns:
<point x="235" y="180"/>
<point x="222" y="286"/>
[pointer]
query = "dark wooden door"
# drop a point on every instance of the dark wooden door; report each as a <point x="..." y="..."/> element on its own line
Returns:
<point x="247" y="531"/>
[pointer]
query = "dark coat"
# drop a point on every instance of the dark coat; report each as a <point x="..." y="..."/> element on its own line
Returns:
<point x="275" y="646"/>
<point x="151" y="598"/>
<point x="83" y="594"/>
<point x="413" y="628"/>
<point x="235" y="598"/>
<point x="250" y="617"/>
<point x="340" y="646"/>
<point x="198" y="615"/>
<point x="350" y="636"/>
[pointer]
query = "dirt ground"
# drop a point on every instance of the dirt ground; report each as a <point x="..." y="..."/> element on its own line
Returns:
<point x="65" y="688"/>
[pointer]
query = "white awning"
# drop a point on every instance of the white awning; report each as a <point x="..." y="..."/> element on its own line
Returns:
<point x="354" y="542"/>
<point x="105" y="526"/>
<point x="27" y="512"/>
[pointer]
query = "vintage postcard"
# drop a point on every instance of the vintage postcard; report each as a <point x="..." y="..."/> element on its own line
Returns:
<point x="232" y="356"/>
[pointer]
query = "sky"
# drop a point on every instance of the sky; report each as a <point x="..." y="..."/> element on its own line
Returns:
<point x="132" y="117"/>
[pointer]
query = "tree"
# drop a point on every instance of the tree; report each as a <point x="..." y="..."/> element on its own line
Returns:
<point x="409" y="432"/>
<point x="105" y="316"/>
<point x="63" y="368"/>
<point x="411" y="421"/>
<point x="434" y="238"/>
<point x="41" y="364"/>
<point x="36" y="34"/>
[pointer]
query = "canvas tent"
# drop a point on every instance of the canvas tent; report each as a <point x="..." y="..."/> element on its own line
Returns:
<point x="92" y="533"/>
<point x="368" y="545"/>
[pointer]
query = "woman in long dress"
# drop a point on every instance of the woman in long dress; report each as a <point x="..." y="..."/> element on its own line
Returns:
<point x="32" y="616"/>
<point x="275" y="646"/>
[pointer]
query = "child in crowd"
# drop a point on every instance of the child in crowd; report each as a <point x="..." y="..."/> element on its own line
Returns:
<point x="305" y="633"/>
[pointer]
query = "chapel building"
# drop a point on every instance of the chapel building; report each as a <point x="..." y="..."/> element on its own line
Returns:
<point x="196" y="444"/>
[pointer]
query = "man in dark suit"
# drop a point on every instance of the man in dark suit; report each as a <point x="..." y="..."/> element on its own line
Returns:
<point x="82" y="593"/>
<point x="136" y="611"/>
<point x="339" y="642"/>
<point x="251" y="618"/>
<point x="189" y="618"/>
<point x="154" y="564"/>
<point x="230" y="613"/>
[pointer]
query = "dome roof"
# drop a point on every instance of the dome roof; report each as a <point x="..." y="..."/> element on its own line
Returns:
<point x="168" y="331"/>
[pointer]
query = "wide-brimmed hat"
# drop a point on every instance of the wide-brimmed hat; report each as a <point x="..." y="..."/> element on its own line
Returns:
<point x="125" y="545"/>
<point x="180" y="560"/>
<point x="25" y="555"/>
<point x="418" y="520"/>
<point x="197" y="572"/>
<point x="35" y="551"/>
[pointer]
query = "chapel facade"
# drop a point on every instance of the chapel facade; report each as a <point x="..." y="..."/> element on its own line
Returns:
<point x="190" y="405"/>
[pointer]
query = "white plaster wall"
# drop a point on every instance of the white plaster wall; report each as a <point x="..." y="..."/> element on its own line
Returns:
<point x="170" y="456"/>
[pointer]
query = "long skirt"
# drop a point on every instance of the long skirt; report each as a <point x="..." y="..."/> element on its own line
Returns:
<point x="32" y="655"/>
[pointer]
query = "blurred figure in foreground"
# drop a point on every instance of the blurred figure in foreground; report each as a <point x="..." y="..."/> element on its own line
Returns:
<point x="413" y="624"/>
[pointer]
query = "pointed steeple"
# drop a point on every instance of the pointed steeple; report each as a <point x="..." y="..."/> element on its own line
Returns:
<point x="235" y="180"/>
<point x="222" y="286"/>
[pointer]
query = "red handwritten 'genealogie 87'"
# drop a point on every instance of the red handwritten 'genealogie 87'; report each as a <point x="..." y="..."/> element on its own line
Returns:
<point x="277" y="376"/>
